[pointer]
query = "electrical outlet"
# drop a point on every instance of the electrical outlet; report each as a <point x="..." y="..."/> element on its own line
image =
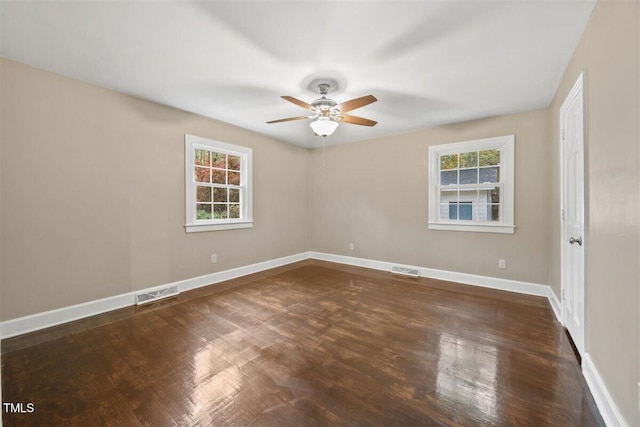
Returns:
<point x="214" y="258"/>
<point x="502" y="263"/>
<point x="351" y="246"/>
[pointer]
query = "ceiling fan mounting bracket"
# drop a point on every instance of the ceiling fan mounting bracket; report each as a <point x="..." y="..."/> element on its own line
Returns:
<point x="324" y="88"/>
<point x="332" y="85"/>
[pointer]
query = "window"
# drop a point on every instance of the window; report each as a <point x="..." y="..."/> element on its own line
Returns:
<point x="471" y="185"/>
<point x="218" y="185"/>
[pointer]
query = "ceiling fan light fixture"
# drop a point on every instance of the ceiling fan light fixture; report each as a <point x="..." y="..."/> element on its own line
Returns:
<point x="324" y="126"/>
<point x="327" y="113"/>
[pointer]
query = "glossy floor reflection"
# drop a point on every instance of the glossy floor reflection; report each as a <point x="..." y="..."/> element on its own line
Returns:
<point x="312" y="343"/>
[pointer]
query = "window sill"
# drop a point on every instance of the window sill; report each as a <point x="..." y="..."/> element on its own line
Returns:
<point x="196" y="228"/>
<point x="479" y="228"/>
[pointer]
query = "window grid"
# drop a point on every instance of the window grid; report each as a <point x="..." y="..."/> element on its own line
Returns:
<point x="218" y="185"/>
<point x="217" y="176"/>
<point x="471" y="185"/>
<point x="485" y="202"/>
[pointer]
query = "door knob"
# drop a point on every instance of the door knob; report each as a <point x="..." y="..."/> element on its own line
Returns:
<point x="578" y="240"/>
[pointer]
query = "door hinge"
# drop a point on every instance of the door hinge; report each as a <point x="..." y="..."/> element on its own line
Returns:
<point x="562" y="133"/>
<point x="563" y="215"/>
<point x="563" y="293"/>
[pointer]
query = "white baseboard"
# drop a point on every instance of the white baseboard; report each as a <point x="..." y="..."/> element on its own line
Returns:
<point x="47" y="319"/>
<point x="464" y="278"/>
<point x="555" y="304"/>
<point x="34" y="322"/>
<point x="608" y="409"/>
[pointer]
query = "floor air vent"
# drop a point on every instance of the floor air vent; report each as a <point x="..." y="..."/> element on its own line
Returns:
<point x="156" y="295"/>
<point x="406" y="271"/>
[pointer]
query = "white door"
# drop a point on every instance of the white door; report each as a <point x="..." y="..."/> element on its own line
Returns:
<point x="573" y="241"/>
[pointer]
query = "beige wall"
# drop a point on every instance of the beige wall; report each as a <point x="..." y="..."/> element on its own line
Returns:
<point x="374" y="194"/>
<point x="609" y="55"/>
<point x="93" y="194"/>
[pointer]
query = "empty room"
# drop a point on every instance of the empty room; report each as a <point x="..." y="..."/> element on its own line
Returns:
<point x="320" y="213"/>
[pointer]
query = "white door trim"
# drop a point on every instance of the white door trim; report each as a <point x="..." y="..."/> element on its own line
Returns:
<point x="577" y="89"/>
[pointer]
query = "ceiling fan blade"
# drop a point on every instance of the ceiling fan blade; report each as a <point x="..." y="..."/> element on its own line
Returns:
<point x="288" y="119"/>
<point x="354" y="120"/>
<point x="298" y="102"/>
<point x="356" y="103"/>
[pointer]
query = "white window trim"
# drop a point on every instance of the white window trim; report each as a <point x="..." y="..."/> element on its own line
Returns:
<point x="246" y="216"/>
<point x="506" y="145"/>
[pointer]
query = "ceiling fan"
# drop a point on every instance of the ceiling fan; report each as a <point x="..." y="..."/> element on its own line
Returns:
<point x="327" y="113"/>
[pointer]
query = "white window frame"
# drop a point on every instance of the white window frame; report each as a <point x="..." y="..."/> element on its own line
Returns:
<point x="191" y="143"/>
<point x="506" y="145"/>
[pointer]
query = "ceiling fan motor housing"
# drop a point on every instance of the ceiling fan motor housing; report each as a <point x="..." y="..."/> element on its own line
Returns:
<point x="324" y="105"/>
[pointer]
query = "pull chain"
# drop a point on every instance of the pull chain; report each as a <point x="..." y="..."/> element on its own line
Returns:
<point x="324" y="146"/>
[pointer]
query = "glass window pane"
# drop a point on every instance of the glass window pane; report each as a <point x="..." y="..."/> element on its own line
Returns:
<point x="444" y="210"/>
<point x="219" y="194"/>
<point x="469" y="176"/>
<point x="494" y="195"/>
<point x="449" y="161"/>
<point x="465" y="211"/>
<point x="468" y="201"/>
<point x="493" y="212"/>
<point x="468" y="195"/>
<point x="202" y="157"/>
<point x="489" y="157"/>
<point x="448" y="177"/>
<point x="468" y="160"/>
<point x="203" y="211"/>
<point x="234" y="178"/>
<point x="462" y="211"/>
<point x="490" y="174"/>
<point x="219" y="160"/>
<point x="234" y="163"/>
<point x="234" y="195"/>
<point x="202" y="174"/>
<point x="219" y="176"/>
<point x="203" y="194"/>
<point x="449" y="195"/>
<point x="234" y="211"/>
<point x="220" y="211"/>
<point x="453" y="211"/>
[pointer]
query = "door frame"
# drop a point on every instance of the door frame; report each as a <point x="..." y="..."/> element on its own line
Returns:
<point x="578" y="87"/>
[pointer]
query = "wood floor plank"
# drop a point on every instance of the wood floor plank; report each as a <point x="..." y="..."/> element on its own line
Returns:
<point x="312" y="343"/>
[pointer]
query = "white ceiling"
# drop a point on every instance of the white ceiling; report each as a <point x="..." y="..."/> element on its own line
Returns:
<point x="428" y="63"/>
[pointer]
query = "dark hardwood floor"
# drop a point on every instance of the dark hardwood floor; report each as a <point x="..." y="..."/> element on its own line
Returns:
<point x="312" y="343"/>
